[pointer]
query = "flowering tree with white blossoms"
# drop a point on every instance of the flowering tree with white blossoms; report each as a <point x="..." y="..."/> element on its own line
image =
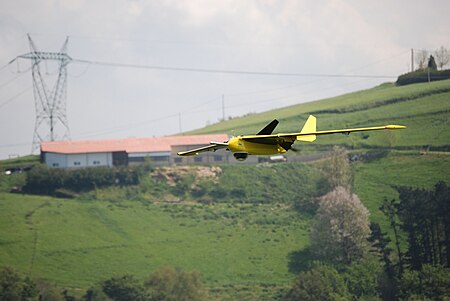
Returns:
<point x="341" y="227"/>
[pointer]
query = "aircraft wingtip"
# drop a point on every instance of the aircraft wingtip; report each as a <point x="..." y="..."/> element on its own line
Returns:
<point x="395" y="127"/>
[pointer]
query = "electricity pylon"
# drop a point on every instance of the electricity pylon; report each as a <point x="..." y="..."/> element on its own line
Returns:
<point x="51" y="120"/>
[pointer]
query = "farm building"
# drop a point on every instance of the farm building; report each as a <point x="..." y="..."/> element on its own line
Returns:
<point x="114" y="152"/>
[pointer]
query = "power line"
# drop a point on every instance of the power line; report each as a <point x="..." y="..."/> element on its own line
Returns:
<point x="4" y="66"/>
<point x="10" y="81"/>
<point x="224" y="71"/>
<point x="125" y="126"/>
<point x="15" y="96"/>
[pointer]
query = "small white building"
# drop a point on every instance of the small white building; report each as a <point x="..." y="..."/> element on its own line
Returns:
<point x="117" y="152"/>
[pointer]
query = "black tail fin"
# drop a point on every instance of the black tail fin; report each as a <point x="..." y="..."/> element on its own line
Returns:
<point x="268" y="129"/>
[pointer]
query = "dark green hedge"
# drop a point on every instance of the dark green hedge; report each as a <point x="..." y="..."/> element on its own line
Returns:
<point x="421" y="76"/>
<point x="44" y="180"/>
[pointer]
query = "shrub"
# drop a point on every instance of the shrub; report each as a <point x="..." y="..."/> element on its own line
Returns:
<point x="320" y="283"/>
<point x="44" y="180"/>
<point x="421" y="76"/>
<point x="14" y="287"/>
<point x="173" y="284"/>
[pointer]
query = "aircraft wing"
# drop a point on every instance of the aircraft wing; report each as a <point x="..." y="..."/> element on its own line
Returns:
<point x="209" y="148"/>
<point x="291" y="137"/>
<point x="348" y="131"/>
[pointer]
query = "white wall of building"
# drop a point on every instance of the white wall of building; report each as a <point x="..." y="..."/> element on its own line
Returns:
<point x="55" y="160"/>
<point x="99" y="159"/>
<point x="77" y="160"/>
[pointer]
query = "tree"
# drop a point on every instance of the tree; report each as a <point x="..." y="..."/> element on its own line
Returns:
<point x="341" y="227"/>
<point x="441" y="198"/>
<point x="169" y="284"/>
<point x="380" y="242"/>
<point x="389" y="209"/>
<point x="442" y="57"/>
<point x="49" y="291"/>
<point x="322" y="282"/>
<point x="430" y="283"/>
<point x="361" y="278"/>
<point x="95" y="294"/>
<point x="432" y="63"/>
<point x="124" y="288"/>
<point x="388" y="281"/>
<point x="337" y="169"/>
<point x="421" y="58"/>
<point x="14" y="287"/>
<point x="424" y="216"/>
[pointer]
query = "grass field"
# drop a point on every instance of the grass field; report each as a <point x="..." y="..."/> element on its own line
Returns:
<point x="78" y="243"/>
<point x="424" y="108"/>
<point x="376" y="180"/>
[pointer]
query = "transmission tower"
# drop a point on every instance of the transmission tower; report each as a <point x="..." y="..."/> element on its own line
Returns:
<point x="50" y="104"/>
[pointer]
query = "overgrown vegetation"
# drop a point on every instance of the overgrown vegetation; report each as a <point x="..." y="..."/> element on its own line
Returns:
<point x="50" y="181"/>
<point x="422" y="76"/>
<point x="165" y="284"/>
<point x="250" y="184"/>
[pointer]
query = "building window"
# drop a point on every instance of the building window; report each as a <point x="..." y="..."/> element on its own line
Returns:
<point x="178" y="160"/>
<point x="217" y="158"/>
<point x="76" y="163"/>
<point x="160" y="158"/>
<point x="136" y="159"/>
<point x="198" y="159"/>
<point x="55" y="164"/>
<point x="96" y="162"/>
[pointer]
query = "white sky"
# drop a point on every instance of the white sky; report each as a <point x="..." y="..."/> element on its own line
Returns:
<point x="275" y="36"/>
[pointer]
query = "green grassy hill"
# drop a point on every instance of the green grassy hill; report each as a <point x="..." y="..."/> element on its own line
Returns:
<point x="242" y="230"/>
<point x="78" y="243"/>
<point x="243" y="237"/>
<point x="423" y="108"/>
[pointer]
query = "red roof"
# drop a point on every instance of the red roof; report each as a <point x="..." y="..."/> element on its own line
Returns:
<point x="129" y="145"/>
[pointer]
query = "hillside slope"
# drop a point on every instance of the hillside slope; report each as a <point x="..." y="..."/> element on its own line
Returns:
<point x="243" y="235"/>
<point x="245" y="231"/>
<point x="424" y="108"/>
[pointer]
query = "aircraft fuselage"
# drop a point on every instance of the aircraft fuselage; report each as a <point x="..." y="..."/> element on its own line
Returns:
<point x="238" y="145"/>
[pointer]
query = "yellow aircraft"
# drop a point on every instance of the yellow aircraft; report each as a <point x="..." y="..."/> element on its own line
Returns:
<point x="266" y="143"/>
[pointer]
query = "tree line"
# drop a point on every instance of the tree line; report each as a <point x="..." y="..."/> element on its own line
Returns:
<point x="353" y="259"/>
<point x="167" y="283"/>
<point x="430" y="67"/>
<point x="66" y="182"/>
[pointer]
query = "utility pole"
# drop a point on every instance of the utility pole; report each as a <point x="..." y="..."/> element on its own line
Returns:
<point x="51" y="120"/>
<point x="412" y="60"/>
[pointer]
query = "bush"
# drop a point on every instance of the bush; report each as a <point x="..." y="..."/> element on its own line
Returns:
<point x="173" y="284"/>
<point x="218" y="192"/>
<point x="320" y="283"/>
<point x="43" y="180"/>
<point x="429" y="283"/>
<point x="124" y="288"/>
<point x="14" y="287"/>
<point x="164" y="284"/>
<point x="362" y="278"/>
<point x="421" y="76"/>
<point x="49" y="181"/>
